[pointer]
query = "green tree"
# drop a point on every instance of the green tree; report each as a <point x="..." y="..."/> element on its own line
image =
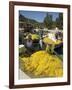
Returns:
<point x="54" y="24"/>
<point x="59" y="21"/>
<point x="48" y="21"/>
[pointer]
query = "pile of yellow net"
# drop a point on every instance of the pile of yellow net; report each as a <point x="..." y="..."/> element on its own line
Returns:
<point x="34" y="36"/>
<point x="42" y="64"/>
<point x="49" y="41"/>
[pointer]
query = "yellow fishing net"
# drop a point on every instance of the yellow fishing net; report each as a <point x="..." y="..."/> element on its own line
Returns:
<point x="42" y="64"/>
